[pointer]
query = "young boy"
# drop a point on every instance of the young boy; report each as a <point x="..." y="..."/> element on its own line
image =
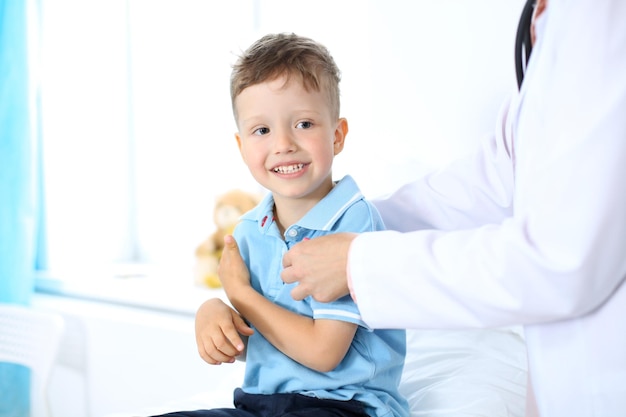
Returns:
<point x="302" y="357"/>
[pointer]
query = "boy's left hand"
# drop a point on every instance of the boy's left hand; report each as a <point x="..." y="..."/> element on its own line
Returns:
<point x="221" y="333"/>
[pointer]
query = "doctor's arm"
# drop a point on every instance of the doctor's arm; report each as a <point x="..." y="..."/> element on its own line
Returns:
<point x="560" y="254"/>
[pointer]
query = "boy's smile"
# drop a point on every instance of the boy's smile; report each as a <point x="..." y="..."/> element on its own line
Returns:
<point x="289" y="169"/>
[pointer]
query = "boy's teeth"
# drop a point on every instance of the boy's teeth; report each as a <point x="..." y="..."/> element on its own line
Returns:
<point x="289" y="169"/>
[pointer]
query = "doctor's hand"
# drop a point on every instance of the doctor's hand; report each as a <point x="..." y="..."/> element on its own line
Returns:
<point x="221" y="333"/>
<point x="319" y="266"/>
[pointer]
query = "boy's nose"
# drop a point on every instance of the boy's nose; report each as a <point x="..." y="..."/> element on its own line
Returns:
<point x="284" y="142"/>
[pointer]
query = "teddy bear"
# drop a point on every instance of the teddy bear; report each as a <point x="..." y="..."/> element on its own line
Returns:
<point x="229" y="207"/>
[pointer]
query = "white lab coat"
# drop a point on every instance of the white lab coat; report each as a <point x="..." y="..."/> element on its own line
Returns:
<point x="532" y="230"/>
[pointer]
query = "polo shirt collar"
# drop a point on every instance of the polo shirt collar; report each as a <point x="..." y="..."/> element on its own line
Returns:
<point x="322" y="216"/>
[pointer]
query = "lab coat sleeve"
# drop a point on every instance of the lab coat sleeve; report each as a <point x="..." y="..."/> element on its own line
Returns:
<point x="561" y="252"/>
<point x="468" y="193"/>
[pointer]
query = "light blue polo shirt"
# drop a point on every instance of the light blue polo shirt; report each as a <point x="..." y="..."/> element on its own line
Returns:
<point x="371" y="370"/>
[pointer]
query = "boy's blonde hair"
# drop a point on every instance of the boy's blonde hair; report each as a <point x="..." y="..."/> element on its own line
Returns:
<point x="287" y="54"/>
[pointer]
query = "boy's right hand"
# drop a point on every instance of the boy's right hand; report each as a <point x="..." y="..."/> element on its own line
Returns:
<point x="219" y="330"/>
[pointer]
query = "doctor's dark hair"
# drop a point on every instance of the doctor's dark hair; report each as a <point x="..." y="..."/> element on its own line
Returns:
<point x="289" y="55"/>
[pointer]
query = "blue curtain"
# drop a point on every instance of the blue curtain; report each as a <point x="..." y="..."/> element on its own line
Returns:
<point x="19" y="211"/>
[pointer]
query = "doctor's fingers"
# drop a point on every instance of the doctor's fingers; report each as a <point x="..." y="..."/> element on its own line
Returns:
<point x="300" y="292"/>
<point x="295" y="263"/>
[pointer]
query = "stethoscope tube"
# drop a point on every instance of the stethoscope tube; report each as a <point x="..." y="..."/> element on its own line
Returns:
<point x="523" y="44"/>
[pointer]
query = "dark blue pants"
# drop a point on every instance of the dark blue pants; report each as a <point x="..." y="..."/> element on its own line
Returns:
<point x="279" y="405"/>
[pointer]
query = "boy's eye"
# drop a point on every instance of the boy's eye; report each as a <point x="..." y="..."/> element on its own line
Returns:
<point x="261" y="131"/>
<point x="304" y="125"/>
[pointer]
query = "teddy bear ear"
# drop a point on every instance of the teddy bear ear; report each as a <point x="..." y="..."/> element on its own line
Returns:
<point x="243" y="199"/>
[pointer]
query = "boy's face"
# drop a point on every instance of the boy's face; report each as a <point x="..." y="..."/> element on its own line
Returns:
<point x="288" y="138"/>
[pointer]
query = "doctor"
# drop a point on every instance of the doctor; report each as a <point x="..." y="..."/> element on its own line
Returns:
<point x="530" y="231"/>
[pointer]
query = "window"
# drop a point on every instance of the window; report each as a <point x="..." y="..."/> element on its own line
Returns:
<point x="136" y="117"/>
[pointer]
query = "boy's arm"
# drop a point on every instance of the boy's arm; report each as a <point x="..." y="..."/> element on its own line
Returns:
<point x="318" y="344"/>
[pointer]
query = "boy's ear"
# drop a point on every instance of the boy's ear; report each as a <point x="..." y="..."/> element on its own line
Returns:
<point x="340" y="135"/>
<point x="238" y="139"/>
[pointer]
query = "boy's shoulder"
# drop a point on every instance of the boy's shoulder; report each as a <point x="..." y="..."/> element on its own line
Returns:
<point x="357" y="207"/>
<point x="343" y="209"/>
